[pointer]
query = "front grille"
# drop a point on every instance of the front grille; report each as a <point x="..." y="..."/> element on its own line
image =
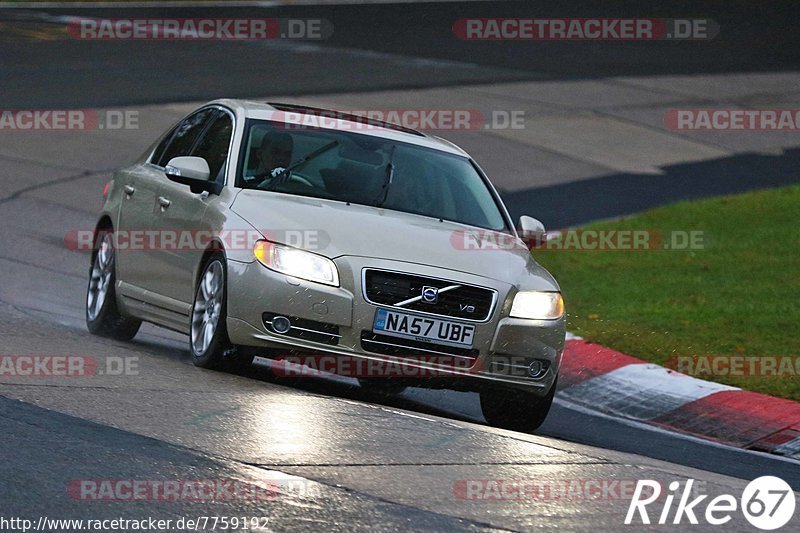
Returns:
<point x="399" y="347"/>
<point x="391" y="289"/>
<point x="309" y="330"/>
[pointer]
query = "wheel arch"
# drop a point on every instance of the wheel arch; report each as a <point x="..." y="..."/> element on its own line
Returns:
<point x="104" y="223"/>
<point x="214" y="247"/>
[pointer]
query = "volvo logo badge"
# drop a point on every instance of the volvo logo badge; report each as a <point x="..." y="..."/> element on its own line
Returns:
<point x="430" y="295"/>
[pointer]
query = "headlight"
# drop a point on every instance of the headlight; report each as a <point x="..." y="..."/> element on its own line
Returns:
<point x="297" y="263"/>
<point x="538" y="305"/>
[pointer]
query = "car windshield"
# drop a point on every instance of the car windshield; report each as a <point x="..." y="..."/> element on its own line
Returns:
<point x="369" y="170"/>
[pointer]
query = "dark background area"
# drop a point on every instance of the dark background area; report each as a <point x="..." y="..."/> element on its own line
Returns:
<point x="753" y="37"/>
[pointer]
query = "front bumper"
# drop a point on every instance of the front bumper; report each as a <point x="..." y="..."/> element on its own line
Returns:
<point x="503" y="346"/>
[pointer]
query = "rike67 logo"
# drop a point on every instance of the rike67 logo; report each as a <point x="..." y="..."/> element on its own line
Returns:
<point x="767" y="503"/>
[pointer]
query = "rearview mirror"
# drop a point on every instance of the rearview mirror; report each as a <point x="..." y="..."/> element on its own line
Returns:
<point x="192" y="171"/>
<point x="531" y="231"/>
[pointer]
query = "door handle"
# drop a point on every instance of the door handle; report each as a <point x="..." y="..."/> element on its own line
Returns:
<point x="164" y="202"/>
<point x="129" y="190"/>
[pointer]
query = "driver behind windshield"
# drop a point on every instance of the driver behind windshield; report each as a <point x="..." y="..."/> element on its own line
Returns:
<point x="274" y="155"/>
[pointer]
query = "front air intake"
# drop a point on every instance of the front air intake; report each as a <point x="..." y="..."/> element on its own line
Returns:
<point x="301" y="328"/>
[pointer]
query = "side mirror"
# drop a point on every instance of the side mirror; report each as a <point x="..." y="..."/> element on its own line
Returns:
<point x="531" y="231"/>
<point x="192" y="171"/>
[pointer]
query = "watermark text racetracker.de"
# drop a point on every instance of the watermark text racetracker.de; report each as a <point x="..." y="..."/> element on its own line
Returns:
<point x="583" y="29"/>
<point x="718" y="119"/>
<point x="577" y="489"/>
<point x="581" y="239"/>
<point x="191" y="490"/>
<point x="413" y="366"/>
<point x="131" y="240"/>
<point x="58" y="365"/>
<point x="736" y="365"/>
<point x="127" y="240"/>
<point x="203" y="29"/>
<point x="422" y="119"/>
<point x="67" y="119"/>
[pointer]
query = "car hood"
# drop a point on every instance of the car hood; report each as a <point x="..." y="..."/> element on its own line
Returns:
<point x="335" y="229"/>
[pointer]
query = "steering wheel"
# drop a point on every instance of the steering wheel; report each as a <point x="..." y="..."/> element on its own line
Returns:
<point x="292" y="177"/>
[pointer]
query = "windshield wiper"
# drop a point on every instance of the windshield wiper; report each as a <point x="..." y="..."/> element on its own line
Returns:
<point x="387" y="180"/>
<point x="281" y="177"/>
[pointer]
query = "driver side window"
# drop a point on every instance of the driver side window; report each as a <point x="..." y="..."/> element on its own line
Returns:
<point x="180" y="141"/>
<point x="213" y="145"/>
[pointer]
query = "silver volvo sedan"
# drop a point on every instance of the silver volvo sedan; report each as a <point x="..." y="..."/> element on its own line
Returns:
<point x="307" y="235"/>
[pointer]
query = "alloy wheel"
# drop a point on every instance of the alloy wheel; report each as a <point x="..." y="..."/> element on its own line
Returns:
<point x="207" y="307"/>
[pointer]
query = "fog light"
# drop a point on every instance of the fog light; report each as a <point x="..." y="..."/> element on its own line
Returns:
<point x="536" y="369"/>
<point x="281" y="324"/>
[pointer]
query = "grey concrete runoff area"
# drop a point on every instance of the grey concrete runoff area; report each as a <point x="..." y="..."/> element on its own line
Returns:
<point x="588" y="147"/>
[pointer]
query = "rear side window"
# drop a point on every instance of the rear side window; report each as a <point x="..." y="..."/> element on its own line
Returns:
<point x="213" y="145"/>
<point x="180" y="142"/>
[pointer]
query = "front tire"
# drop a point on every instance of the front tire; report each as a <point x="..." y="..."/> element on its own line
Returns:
<point x="102" y="314"/>
<point x="515" y="409"/>
<point x="208" y="339"/>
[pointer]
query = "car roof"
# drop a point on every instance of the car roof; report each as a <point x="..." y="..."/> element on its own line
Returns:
<point x="339" y="120"/>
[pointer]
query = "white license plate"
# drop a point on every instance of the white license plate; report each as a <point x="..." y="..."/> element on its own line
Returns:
<point x="424" y="329"/>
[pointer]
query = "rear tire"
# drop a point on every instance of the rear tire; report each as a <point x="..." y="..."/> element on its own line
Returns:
<point x="208" y="337"/>
<point x="102" y="314"/>
<point x="515" y="409"/>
